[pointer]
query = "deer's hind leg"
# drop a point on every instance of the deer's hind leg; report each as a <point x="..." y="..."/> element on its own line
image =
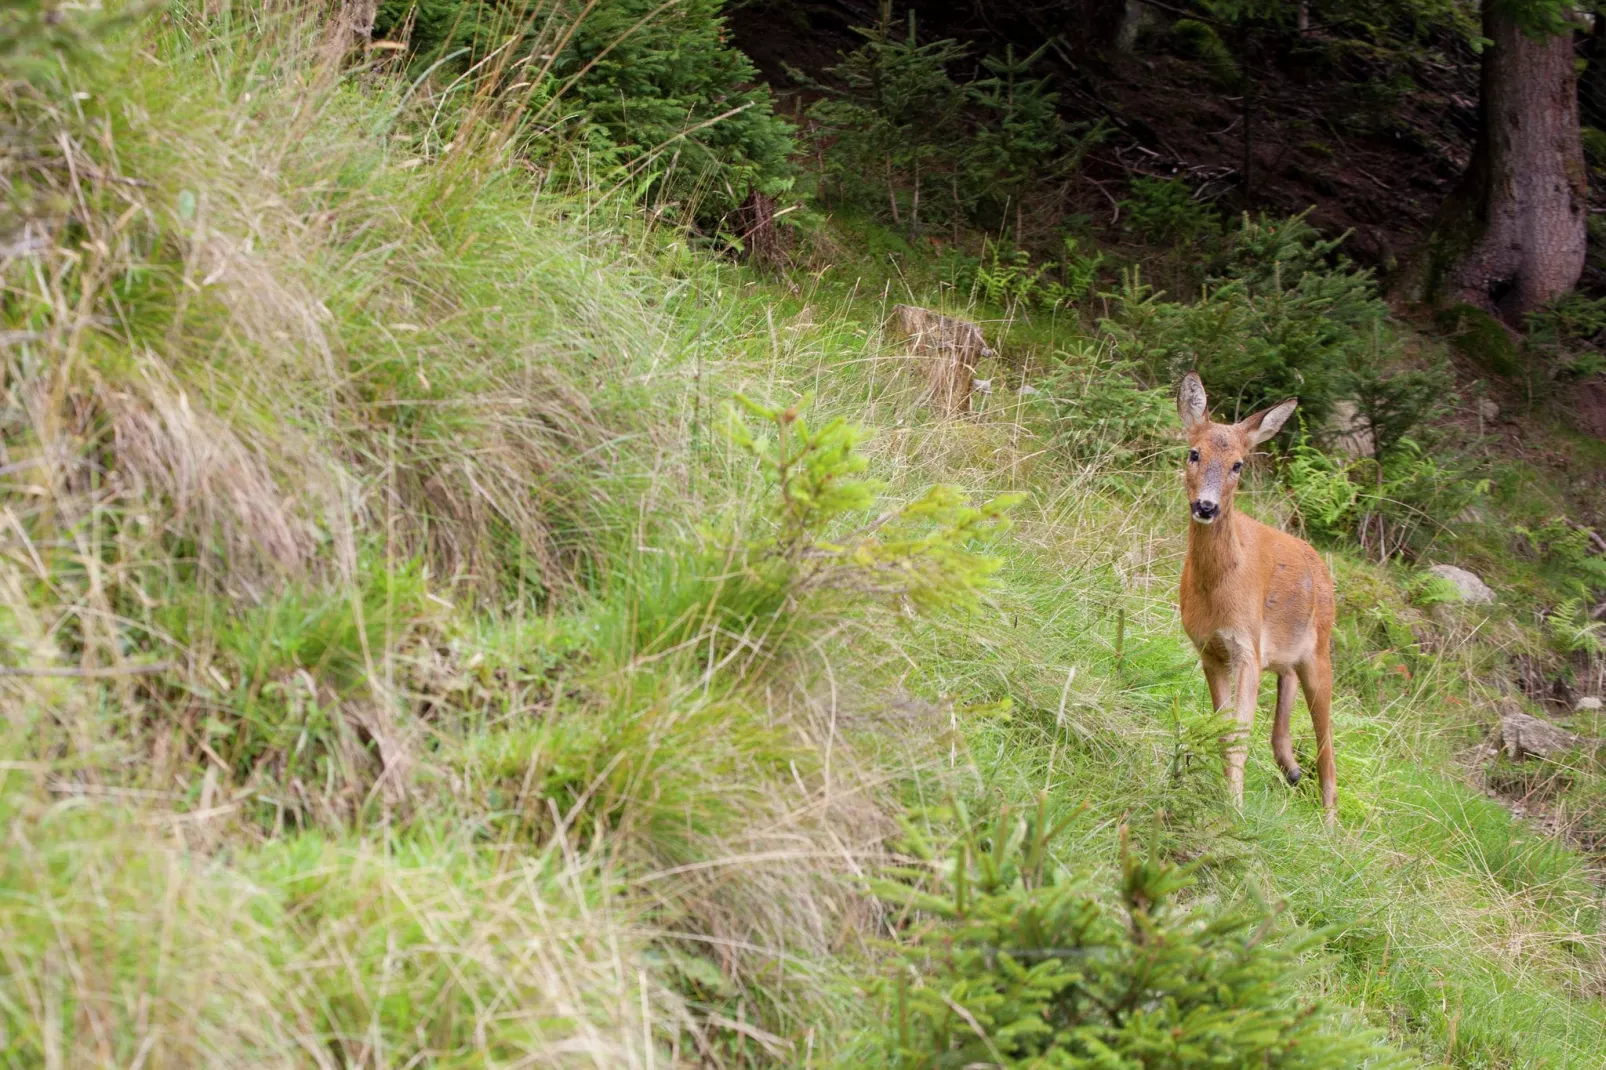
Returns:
<point x="1282" y="746"/>
<point x="1316" y="676"/>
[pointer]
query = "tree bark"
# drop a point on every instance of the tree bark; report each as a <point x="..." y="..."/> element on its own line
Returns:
<point x="1512" y="235"/>
<point x="761" y="239"/>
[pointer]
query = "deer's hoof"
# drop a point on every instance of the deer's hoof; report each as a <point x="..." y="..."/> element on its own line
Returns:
<point x="1293" y="776"/>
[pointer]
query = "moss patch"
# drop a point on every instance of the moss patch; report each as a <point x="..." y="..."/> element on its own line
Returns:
<point x="1482" y="339"/>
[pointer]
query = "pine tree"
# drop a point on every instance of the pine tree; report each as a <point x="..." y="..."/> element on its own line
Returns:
<point x="898" y="114"/>
<point x="1021" y="136"/>
<point x="1017" y="963"/>
<point x="665" y="97"/>
<point x="680" y="101"/>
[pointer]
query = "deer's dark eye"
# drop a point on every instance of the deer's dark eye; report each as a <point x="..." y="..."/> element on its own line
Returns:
<point x="1193" y="456"/>
<point x="1237" y="466"/>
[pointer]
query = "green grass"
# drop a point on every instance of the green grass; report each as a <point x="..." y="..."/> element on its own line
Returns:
<point x="369" y="500"/>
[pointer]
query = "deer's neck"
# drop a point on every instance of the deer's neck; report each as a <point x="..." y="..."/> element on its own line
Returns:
<point x="1215" y="550"/>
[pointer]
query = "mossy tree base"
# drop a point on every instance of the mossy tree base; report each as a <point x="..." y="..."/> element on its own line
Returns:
<point x="1512" y="236"/>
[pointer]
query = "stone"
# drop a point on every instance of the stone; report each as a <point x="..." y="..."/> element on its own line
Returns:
<point x="1469" y="588"/>
<point x="1489" y="409"/>
<point x="950" y="350"/>
<point x="1522" y="735"/>
<point x="1028" y="390"/>
<point x="1588" y="704"/>
<point x="982" y="386"/>
<point x="1349" y="432"/>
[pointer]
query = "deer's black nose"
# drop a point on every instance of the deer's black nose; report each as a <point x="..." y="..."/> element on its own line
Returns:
<point x="1206" y="510"/>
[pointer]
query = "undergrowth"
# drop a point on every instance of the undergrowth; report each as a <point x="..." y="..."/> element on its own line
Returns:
<point x="447" y="620"/>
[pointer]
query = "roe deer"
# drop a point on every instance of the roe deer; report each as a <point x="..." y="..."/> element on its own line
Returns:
<point x="1253" y="598"/>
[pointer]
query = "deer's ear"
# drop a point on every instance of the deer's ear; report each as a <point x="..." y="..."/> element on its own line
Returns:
<point x="1191" y="404"/>
<point x="1266" y="423"/>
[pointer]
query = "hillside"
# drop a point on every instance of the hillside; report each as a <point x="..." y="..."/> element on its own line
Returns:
<point x="1367" y="127"/>
<point x="456" y="613"/>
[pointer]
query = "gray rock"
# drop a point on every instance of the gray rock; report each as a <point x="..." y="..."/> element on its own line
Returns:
<point x="1467" y="585"/>
<point x="1523" y="735"/>
<point x="1349" y="432"/>
<point x="1588" y="704"/>
<point x="1489" y="409"/>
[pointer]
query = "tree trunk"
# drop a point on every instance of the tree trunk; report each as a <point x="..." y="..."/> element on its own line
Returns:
<point x="1245" y="49"/>
<point x="1512" y="235"/>
<point x="761" y="239"/>
<point x="949" y="351"/>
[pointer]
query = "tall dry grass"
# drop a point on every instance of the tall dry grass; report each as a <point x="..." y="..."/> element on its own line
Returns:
<point x="358" y="487"/>
<point x="332" y="437"/>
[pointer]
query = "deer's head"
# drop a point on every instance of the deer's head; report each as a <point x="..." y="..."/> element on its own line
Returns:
<point x="1216" y="452"/>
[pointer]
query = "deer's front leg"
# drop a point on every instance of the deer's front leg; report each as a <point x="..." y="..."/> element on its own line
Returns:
<point x="1245" y="677"/>
<point x="1218" y="674"/>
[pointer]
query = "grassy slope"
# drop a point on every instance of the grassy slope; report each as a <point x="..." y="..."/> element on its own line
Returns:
<point x="396" y="460"/>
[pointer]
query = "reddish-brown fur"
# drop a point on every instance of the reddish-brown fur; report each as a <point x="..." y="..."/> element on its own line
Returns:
<point x="1254" y="599"/>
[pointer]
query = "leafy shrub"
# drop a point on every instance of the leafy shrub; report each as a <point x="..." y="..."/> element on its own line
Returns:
<point x="1283" y="319"/>
<point x="1594" y="144"/>
<point x="1007" y="278"/>
<point x="1163" y="211"/>
<point x="1568" y="553"/>
<point x="1019" y="143"/>
<point x="1020" y="130"/>
<point x="1102" y="409"/>
<point x="1567" y="330"/>
<point x="1394" y="505"/>
<point x="1569" y="318"/>
<point x="920" y="552"/>
<point x="898" y="111"/>
<point x="1014" y="962"/>
<point x="752" y="589"/>
<point x="676" y="87"/>
<point x="1198" y="40"/>
<point x="1263" y="248"/>
<point x="908" y="141"/>
<point x="662" y="93"/>
<point x="1252" y="347"/>
<point x="1389" y="404"/>
<point x="1596" y="226"/>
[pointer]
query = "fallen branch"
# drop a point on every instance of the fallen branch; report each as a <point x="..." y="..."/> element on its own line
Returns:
<point x="1594" y="538"/>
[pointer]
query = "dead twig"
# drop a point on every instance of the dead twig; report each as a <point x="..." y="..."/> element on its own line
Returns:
<point x="86" y="674"/>
<point x="1594" y="537"/>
